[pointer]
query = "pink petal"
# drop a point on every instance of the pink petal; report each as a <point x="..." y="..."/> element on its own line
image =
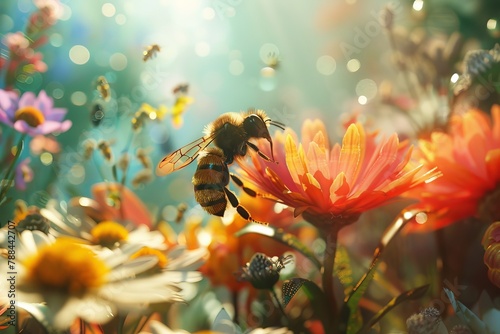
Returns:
<point x="131" y="207"/>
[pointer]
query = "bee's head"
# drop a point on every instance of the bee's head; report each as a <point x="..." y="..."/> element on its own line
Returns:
<point x="255" y="125"/>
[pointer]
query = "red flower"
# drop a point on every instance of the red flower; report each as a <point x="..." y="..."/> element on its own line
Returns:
<point x="469" y="158"/>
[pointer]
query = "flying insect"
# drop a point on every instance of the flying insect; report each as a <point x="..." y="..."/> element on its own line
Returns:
<point x="230" y="133"/>
<point x="150" y="51"/>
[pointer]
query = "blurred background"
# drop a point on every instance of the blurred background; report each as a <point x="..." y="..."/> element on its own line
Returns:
<point x="313" y="59"/>
<point x="332" y="60"/>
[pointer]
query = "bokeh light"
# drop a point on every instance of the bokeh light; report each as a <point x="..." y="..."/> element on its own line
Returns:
<point x="353" y="65"/>
<point x="120" y="19"/>
<point x="46" y="158"/>
<point x="236" y="67"/>
<point x="326" y="65"/>
<point x="108" y="9"/>
<point x="6" y="22"/>
<point x="79" y="54"/>
<point x="78" y="98"/>
<point x="118" y="61"/>
<point x="56" y="39"/>
<point x="418" y="5"/>
<point x="208" y="13"/>
<point x="202" y="49"/>
<point x="367" y="88"/>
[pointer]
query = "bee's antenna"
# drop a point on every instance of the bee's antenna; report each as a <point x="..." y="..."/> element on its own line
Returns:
<point x="276" y="123"/>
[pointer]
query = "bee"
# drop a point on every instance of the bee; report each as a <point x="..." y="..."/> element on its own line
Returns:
<point x="272" y="60"/>
<point x="150" y="51"/>
<point x="180" y="88"/>
<point x="230" y="134"/>
<point x="181" y="209"/>
<point x="142" y="155"/>
<point x="142" y="177"/>
<point x="89" y="146"/>
<point x="123" y="162"/>
<point x="103" y="88"/>
<point x="96" y="114"/>
<point x="105" y="148"/>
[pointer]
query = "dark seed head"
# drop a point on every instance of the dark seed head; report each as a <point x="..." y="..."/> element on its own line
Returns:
<point x="262" y="271"/>
<point x="33" y="222"/>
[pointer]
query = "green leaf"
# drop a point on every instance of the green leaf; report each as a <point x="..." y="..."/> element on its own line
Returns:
<point x="408" y="295"/>
<point x="281" y="236"/>
<point x="465" y="315"/>
<point x="313" y="292"/>
<point x="114" y="172"/>
<point x="343" y="270"/>
<point x="224" y="324"/>
<point x="350" y="319"/>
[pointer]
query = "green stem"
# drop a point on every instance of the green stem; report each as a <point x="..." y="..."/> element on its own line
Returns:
<point x="275" y="296"/>
<point x="327" y="274"/>
<point x="329" y="225"/>
<point x="7" y="180"/>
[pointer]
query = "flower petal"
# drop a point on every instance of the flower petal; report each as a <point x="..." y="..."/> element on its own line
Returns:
<point x="381" y="167"/>
<point x="310" y="131"/>
<point x="492" y="161"/>
<point x="27" y="99"/>
<point x="317" y="160"/>
<point x="55" y="114"/>
<point x="89" y="308"/>
<point x="351" y="153"/>
<point x="340" y="186"/>
<point x="294" y="161"/>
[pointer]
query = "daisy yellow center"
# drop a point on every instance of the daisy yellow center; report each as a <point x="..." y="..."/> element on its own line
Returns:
<point x="31" y="115"/>
<point x="65" y="267"/>
<point x="108" y="233"/>
<point x="144" y="251"/>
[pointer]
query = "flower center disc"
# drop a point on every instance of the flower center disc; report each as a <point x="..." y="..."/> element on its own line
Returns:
<point x="144" y="251"/>
<point x="30" y="115"/>
<point x="108" y="233"/>
<point x="66" y="267"/>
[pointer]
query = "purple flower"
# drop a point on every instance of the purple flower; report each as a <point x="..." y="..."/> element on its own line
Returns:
<point x="31" y="114"/>
<point x="24" y="174"/>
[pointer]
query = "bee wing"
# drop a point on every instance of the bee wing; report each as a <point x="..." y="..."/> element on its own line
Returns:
<point x="183" y="156"/>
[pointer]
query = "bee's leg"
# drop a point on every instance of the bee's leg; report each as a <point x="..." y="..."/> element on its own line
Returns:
<point x="256" y="149"/>
<point x="252" y="192"/>
<point x="241" y="209"/>
<point x="240" y="184"/>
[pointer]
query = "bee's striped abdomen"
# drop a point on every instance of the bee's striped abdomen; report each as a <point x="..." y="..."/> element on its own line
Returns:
<point x="209" y="181"/>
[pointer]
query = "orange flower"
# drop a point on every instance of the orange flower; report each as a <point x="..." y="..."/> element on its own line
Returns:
<point x="469" y="158"/>
<point x="232" y="251"/>
<point x="335" y="185"/>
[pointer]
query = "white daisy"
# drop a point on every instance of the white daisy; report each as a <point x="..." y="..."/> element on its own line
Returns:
<point x="108" y="233"/>
<point x="74" y="282"/>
